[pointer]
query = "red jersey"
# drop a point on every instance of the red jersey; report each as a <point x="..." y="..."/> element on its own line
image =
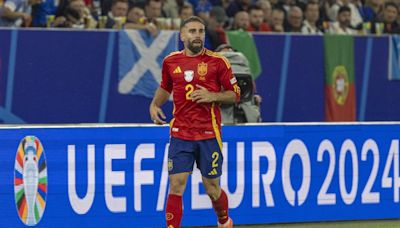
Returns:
<point x="180" y="75"/>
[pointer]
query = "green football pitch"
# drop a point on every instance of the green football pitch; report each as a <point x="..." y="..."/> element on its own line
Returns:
<point x="346" y="224"/>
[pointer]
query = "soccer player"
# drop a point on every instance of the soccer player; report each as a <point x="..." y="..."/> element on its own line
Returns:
<point x="200" y="80"/>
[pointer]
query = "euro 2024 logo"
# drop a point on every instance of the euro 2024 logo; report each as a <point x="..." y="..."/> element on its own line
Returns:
<point x="30" y="180"/>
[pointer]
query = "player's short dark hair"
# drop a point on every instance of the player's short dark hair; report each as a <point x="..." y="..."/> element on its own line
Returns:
<point x="344" y="9"/>
<point x="192" y="19"/>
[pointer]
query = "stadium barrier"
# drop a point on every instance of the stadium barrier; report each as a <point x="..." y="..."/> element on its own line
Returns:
<point x="116" y="175"/>
<point x="60" y="76"/>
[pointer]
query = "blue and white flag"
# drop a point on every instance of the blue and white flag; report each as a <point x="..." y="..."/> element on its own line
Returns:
<point x="140" y="60"/>
<point x="394" y="57"/>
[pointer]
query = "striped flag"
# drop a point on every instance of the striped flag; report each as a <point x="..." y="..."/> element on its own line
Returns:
<point x="340" y="98"/>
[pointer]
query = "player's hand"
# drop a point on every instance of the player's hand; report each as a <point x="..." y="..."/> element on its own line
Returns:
<point x="202" y="95"/>
<point x="157" y="115"/>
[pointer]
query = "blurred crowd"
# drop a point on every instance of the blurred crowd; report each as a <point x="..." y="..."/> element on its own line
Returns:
<point x="295" y="16"/>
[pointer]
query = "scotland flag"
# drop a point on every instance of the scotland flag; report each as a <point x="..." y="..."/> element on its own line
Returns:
<point x="394" y="59"/>
<point x="140" y="60"/>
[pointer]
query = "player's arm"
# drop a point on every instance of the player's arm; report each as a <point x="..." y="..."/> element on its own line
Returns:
<point x="156" y="113"/>
<point x="202" y="95"/>
<point x="161" y="96"/>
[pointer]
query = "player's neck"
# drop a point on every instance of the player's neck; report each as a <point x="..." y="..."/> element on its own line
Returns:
<point x="191" y="54"/>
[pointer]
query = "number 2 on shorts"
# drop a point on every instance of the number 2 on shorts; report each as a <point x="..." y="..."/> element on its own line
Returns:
<point x="215" y="157"/>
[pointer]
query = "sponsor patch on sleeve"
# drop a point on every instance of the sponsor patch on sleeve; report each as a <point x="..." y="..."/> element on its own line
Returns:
<point x="233" y="80"/>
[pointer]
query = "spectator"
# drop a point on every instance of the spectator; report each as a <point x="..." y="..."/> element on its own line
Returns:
<point x="201" y="6"/>
<point x="286" y="5"/>
<point x="62" y="5"/>
<point x="202" y="9"/>
<point x="323" y="7"/>
<point x="75" y="14"/>
<point x="72" y="15"/>
<point x="370" y="10"/>
<point x="257" y="23"/>
<point x="153" y="10"/>
<point x="265" y="5"/>
<point x="389" y="19"/>
<point x="171" y="8"/>
<point x="17" y="13"/>
<point x="41" y="11"/>
<point x="277" y="20"/>
<point x="119" y="11"/>
<point x="274" y="4"/>
<point x="311" y="18"/>
<point x="356" y="18"/>
<point x="105" y="6"/>
<point x="215" y="34"/>
<point x="137" y="20"/>
<point x="186" y="11"/>
<point x="375" y="5"/>
<point x="241" y="21"/>
<point x="236" y="6"/>
<point x="295" y="20"/>
<point x="136" y="16"/>
<point x="343" y="24"/>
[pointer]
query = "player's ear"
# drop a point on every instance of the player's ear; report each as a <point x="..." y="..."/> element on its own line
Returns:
<point x="182" y="36"/>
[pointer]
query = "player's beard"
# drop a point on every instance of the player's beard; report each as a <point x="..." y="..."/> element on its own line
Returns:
<point x="195" y="49"/>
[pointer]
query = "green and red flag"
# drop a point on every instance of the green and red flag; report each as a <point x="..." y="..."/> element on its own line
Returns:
<point x="340" y="98"/>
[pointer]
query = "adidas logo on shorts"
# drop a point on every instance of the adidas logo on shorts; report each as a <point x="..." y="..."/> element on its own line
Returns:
<point x="213" y="172"/>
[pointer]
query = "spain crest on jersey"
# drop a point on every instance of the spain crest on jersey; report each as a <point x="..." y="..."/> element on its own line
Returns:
<point x="202" y="69"/>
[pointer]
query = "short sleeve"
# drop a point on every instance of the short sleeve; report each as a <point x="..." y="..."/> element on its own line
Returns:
<point x="166" y="80"/>
<point x="227" y="79"/>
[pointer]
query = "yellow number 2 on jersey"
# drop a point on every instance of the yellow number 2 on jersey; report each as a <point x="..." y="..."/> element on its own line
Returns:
<point x="189" y="90"/>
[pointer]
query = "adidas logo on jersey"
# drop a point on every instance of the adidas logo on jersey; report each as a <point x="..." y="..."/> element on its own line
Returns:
<point x="177" y="70"/>
<point x="213" y="172"/>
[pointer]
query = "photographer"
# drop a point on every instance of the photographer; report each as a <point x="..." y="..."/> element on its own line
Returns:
<point x="248" y="109"/>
